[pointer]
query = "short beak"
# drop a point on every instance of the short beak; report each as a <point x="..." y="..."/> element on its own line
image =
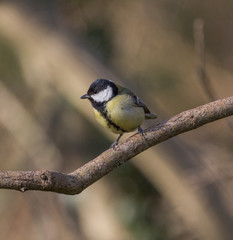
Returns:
<point x="85" y="96"/>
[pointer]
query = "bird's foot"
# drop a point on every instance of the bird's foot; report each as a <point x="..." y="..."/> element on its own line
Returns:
<point x="141" y="132"/>
<point x="116" y="142"/>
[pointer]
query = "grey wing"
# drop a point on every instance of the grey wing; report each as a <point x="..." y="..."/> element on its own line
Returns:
<point x="148" y="114"/>
<point x="138" y="102"/>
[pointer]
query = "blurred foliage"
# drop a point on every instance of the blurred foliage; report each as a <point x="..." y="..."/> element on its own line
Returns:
<point x="10" y="70"/>
<point x="50" y="53"/>
<point x="138" y="205"/>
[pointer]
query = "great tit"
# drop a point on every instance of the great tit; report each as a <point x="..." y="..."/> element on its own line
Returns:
<point x="117" y="108"/>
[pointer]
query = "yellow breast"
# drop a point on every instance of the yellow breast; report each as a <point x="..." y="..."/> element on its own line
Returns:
<point x="123" y="112"/>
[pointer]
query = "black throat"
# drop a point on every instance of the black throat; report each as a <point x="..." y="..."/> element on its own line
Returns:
<point x="99" y="106"/>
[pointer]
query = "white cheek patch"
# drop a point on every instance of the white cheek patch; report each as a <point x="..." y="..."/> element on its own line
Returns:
<point x="103" y="96"/>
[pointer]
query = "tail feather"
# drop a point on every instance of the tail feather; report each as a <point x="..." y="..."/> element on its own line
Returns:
<point x="151" y="116"/>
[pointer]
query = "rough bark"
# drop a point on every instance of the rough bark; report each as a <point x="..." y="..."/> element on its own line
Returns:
<point x="77" y="181"/>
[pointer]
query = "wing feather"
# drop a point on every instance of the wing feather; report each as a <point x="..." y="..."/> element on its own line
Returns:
<point x="138" y="102"/>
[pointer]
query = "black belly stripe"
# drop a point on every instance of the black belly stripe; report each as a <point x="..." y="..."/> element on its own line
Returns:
<point x="110" y="122"/>
<point x="100" y="107"/>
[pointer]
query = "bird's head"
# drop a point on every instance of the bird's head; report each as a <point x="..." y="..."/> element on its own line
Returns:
<point x="101" y="91"/>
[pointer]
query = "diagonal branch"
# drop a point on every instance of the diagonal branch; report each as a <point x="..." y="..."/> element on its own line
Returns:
<point x="77" y="181"/>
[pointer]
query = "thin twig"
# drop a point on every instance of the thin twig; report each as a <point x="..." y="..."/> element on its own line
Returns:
<point x="199" y="42"/>
<point x="77" y="181"/>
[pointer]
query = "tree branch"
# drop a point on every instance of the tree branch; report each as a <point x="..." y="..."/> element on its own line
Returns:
<point x="77" y="181"/>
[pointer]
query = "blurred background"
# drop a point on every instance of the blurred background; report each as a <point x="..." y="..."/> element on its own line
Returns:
<point x="51" y="51"/>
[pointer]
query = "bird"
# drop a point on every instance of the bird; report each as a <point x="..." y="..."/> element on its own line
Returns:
<point x="117" y="108"/>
